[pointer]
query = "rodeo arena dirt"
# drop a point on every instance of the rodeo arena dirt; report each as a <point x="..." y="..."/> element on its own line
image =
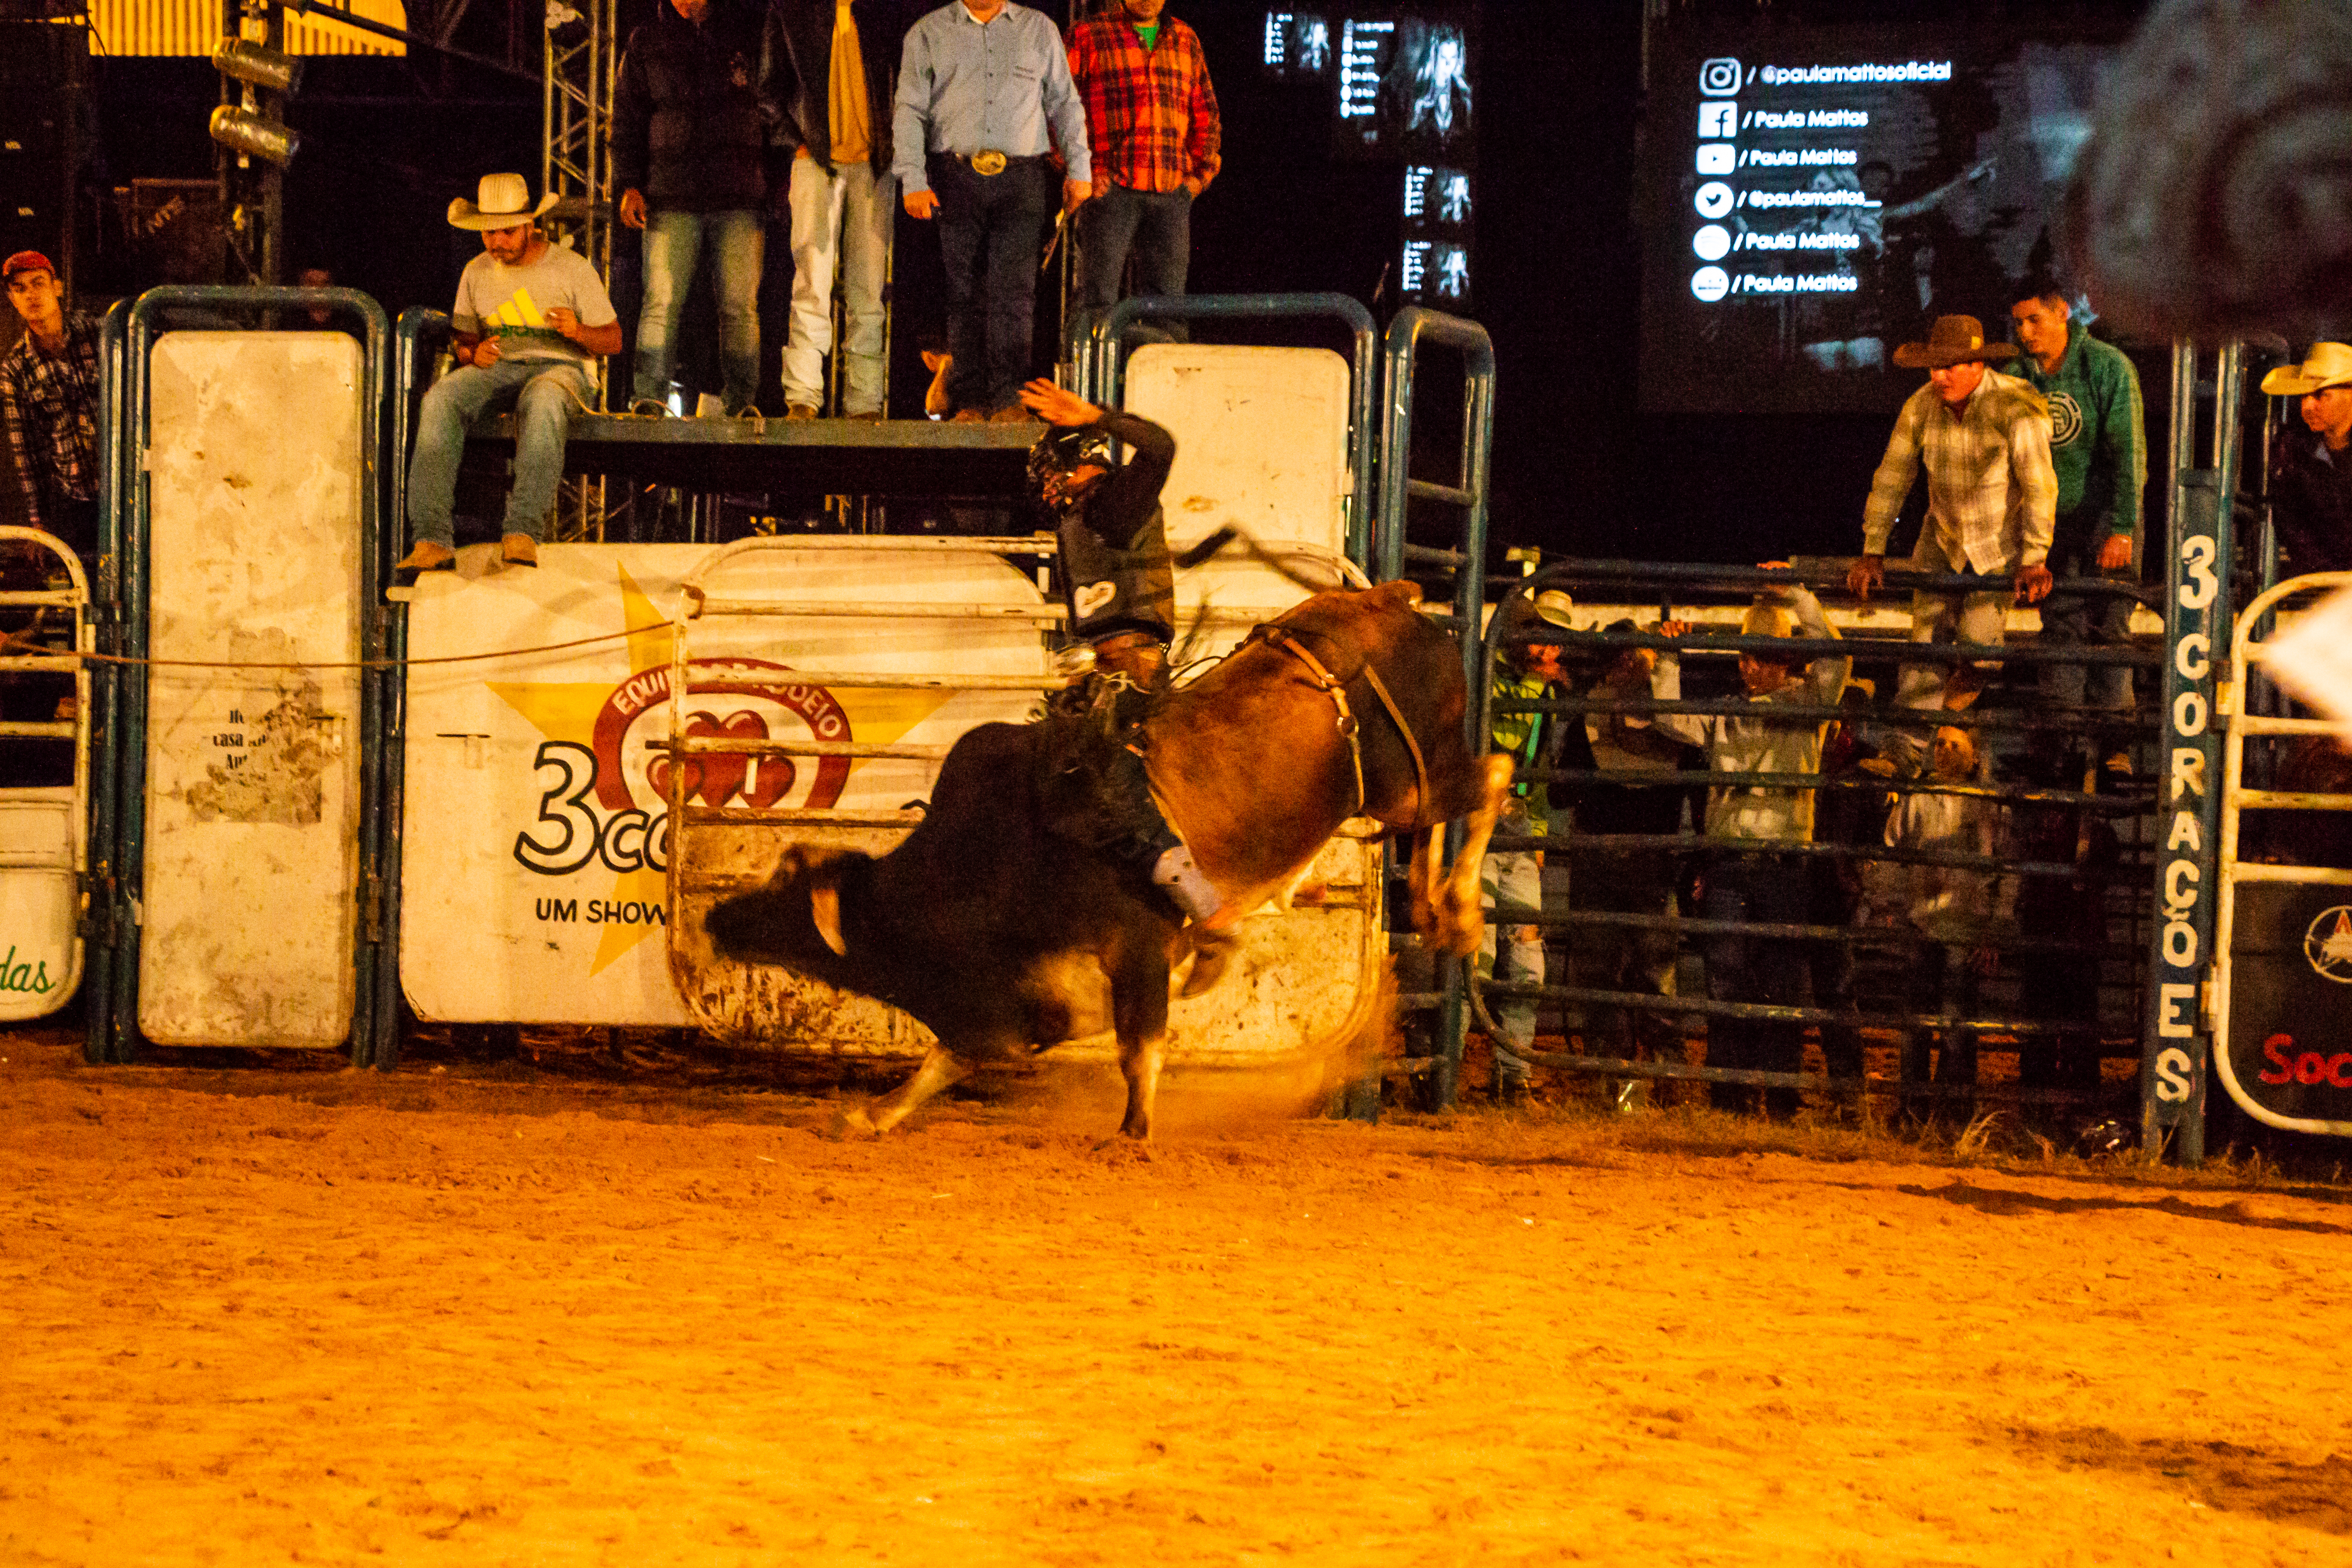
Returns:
<point x="602" y="1303"/>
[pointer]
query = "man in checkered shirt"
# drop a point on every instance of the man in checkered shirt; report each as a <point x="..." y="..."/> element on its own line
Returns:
<point x="1992" y="499"/>
<point x="48" y="400"/>
<point x="1151" y="122"/>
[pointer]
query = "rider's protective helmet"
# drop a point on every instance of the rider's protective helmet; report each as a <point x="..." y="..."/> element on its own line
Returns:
<point x="1061" y="453"/>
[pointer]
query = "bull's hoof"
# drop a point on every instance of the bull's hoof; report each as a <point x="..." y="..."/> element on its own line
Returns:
<point x="851" y="1121"/>
<point x="1213" y="950"/>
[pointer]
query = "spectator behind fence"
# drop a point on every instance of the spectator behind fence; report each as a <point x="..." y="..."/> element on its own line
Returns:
<point x="1760" y="885"/>
<point x="834" y="89"/>
<point x="2098" y="450"/>
<point x="1641" y="882"/>
<point x="530" y="320"/>
<point x="320" y="317"/>
<point x="1153" y="130"/>
<point x="49" y="401"/>
<point x="2311" y="466"/>
<point x="985" y="96"/>
<point x="1956" y="910"/>
<point x="1984" y="441"/>
<point x="1516" y="876"/>
<point x="692" y="121"/>
<point x="2063" y="987"/>
<point x="1856" y="818"/>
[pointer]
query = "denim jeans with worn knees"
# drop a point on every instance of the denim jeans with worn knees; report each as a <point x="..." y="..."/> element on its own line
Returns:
<point x="673" y="245"/>
<point x="840" y="213"/>
<point x="1155" y="227"/>
<point x="543" y="394"/>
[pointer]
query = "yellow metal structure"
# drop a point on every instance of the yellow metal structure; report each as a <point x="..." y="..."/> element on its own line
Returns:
<point x="192" y="26"/>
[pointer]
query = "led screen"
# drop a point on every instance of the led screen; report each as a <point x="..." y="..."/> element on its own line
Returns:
<point x="1434" y="268"/>
<point x="1297" y="46"/>
<point x="1817" y="196"/>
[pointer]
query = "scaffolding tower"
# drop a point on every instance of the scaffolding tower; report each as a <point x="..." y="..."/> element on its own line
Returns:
<point x="583" y="68"/>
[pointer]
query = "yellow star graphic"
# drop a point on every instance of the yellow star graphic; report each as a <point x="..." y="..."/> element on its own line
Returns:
<point x="567" y="710"/>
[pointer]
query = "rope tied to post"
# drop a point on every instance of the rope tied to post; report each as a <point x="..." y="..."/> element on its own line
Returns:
<point x="7" y="649"/>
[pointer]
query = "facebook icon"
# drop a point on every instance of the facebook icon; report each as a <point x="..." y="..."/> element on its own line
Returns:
<point x="1718" y="119"/>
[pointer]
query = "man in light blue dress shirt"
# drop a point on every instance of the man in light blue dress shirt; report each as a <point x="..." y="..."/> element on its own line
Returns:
<point x="984" y="97"/>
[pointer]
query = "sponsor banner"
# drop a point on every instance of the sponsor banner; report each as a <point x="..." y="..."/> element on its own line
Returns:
<point x="537" y="834"/>
<point x="40" y="946"/>
<point x="2290" y="1026"/>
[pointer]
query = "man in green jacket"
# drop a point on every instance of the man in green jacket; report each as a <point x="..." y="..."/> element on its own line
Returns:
<point x="1526" y="674"/>
<point x="2098" y="447"/>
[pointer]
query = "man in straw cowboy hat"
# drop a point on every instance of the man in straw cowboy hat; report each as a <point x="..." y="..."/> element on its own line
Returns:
<point x="530" y="318"/>
<point x="2311" y="468"/>
<point x="1992" y="497"/>
<point x="1760" y="885"/>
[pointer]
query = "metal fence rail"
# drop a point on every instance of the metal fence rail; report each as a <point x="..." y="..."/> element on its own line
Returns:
<point x="1682" y="849"/>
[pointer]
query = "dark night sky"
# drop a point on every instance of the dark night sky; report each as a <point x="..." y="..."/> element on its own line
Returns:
<point x="1577" y="467"/>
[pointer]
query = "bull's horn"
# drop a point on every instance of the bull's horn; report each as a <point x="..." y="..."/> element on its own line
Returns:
<point x="825" y="908"/>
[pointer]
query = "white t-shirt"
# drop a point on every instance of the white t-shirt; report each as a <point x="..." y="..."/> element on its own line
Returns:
<point x="511" y="303"/>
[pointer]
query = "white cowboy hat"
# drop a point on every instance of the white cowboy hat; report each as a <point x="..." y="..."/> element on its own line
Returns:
<point x="2330" y="364"/>
<point x="1554" y="605"/>
<point x="505" y="202"/>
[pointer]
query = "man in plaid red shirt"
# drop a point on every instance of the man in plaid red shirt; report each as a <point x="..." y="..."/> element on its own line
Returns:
<point x="1152" y="120"/>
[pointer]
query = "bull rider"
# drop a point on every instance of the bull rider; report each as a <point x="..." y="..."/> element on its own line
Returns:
<point x="1119" y="581"/>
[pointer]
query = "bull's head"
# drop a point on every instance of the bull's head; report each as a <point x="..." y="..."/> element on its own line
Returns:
<point x="794" y="921"/>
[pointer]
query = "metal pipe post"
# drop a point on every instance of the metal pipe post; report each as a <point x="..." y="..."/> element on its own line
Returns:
<point x="100" y="891"/>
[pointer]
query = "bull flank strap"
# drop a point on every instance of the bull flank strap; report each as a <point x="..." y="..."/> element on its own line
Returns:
<point x="1336" y="689"/>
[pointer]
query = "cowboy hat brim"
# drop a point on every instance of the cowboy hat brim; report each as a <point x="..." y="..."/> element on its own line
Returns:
<point x="1554" y="607"/>
<point x="1926" y="356"/>
<point x="464" y="213"/>
<point x="2288" y="381"/>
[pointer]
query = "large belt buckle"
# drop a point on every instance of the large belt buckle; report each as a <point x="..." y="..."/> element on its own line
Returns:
<point x="988" y="161"/>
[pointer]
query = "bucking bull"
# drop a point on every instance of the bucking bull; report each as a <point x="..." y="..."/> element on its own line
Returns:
<point x="1001" y="936"/>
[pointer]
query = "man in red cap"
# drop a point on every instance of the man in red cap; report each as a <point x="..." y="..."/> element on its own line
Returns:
<point x="49" y="401"/>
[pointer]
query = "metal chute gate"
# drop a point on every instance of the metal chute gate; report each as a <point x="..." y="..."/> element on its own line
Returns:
<point x="2280" y="1016"/>
<point x="238" y="792"/>
<point x="681" y="713"/>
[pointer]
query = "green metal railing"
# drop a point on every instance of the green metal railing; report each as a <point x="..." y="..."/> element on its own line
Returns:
<point x="1392" y="552"/>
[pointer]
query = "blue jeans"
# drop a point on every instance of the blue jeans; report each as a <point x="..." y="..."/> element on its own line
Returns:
<point x="992" y="234"/>
<point x="543" y="394"/>
<point x="1514" y="877"/>
<point x="2082" y="620"/>
<point x="673" y="244"/>
<point x="1155" y="227"/>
